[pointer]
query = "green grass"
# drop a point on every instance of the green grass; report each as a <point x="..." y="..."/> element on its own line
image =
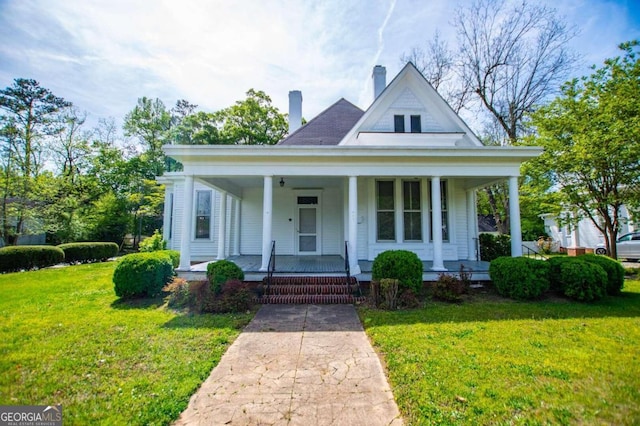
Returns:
<point x="66" y="339"/>
<point x="493" y="361"/>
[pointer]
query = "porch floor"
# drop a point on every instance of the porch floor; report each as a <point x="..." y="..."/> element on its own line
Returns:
<point x="332" y="265"/>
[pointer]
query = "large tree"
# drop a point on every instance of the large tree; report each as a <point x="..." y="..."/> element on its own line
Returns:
<point x="29" y="117"/>
<point x="591" y="136"/>
<point x="150" y="121"/>
<point x="253" y="121"/>
<point x="509" y="57"/>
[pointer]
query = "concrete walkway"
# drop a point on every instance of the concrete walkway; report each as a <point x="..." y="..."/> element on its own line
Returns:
<point x="297" y="365"/>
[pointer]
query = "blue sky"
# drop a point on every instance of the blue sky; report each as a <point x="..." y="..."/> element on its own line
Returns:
<point x="104" y="54"/>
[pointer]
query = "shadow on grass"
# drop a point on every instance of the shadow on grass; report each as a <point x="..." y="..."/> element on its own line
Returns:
<point x="213" y="321"/>
<point x="139" y="303"/>
<point x="489" y="307"/>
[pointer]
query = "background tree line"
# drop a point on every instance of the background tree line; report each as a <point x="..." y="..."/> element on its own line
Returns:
<point x="75" y="184"/>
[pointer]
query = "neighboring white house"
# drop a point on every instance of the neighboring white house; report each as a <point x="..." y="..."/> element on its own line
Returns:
<point x="400" y="175"/>
<point x="585" y="234"/>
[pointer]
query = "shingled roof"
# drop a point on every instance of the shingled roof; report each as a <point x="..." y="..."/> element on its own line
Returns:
<point x="328" y="127"/>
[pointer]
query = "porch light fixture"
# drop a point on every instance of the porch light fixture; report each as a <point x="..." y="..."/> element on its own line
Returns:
<point x="281" y="182"/>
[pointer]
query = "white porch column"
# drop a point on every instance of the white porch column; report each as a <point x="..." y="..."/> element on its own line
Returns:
<point x="353" y="225"/>
<point x="187" y="224"/>
<point x="514" y="214"/>
<point x="472" y="224"/>
<point x="236" y="227"/>
<point x="167" y="213"/>
<point x="436" y="220"/>
<point x="267" y="206"/>
<point x="222" y="225"/>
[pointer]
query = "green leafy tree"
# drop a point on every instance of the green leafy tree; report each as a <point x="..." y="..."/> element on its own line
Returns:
<point x="591" y="136"/>
<point x="29" y="117"/>
<point x="253" y="121"/>
<point x="150" y="121"/>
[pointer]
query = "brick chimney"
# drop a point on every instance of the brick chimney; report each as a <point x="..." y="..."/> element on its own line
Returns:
<point x="295" y="110"/>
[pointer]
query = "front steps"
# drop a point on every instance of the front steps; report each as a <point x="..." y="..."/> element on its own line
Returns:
<point x="310" y="290"/>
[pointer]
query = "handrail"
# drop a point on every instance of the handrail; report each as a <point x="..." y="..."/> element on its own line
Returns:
<point x="536" y="255"/>
<point x="347" y="268"/>
<point x="272" y="265"/>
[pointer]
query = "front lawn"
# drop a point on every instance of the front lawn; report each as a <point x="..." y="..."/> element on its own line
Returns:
<point x="66" y="339"/>
<point x="495" y="361"/>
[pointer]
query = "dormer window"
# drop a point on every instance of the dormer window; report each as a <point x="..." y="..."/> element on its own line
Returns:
<point x="398" y="123"/>
<point x="416" y="124"/>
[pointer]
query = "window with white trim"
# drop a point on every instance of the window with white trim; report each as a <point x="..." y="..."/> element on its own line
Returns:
<point x="412" y="210"/>
<point x="203" y="214"/>
<point x="385" y="210"/>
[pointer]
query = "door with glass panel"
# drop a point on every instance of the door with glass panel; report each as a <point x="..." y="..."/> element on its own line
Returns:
<point x="308" y="235"/>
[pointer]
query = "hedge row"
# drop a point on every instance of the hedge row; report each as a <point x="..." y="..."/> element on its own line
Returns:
<point x="584" y="278"/>
<point x="18" y="258"/>
<point x="88" y="252"/>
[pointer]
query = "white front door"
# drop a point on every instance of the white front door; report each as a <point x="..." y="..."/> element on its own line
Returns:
<point x="308" y="224"/>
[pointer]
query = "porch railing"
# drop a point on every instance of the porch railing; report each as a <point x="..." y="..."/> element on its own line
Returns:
<point x="532" y="253"/>
<point x="272" y="266"/>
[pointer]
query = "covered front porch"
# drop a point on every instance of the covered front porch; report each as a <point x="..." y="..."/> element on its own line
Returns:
<point x="330" y="265"/>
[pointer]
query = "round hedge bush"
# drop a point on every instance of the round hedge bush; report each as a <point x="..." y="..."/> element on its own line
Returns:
<point x="402" y="265"/>
<point x="221" y="271"/>
<point x="18" y="258"/>
<point x="88" y="252"/>
<point x="583" y="281"/>
<point x="142" y="274"/>
<point x="613" y="268"/>
<point x="555" y="275"/>
<point x="520" y="277"/>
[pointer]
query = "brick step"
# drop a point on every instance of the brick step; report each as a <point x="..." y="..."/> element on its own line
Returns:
<point x="315" y="299"/>
<point x="311" y="289"/>
<point x="306" y="280"/>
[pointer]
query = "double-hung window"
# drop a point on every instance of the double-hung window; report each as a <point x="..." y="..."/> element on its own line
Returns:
<point x="203" y="214"/>
<point x="412" y="214"/>
<point x="385" y="210"/>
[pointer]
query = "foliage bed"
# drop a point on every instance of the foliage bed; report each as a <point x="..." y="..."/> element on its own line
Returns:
<point x="66" y="338"/>
<point x="18" y="258"/>
<point x="88" y="252"/>
<point x="500" y="362"/>
<point x="494" y="246"/>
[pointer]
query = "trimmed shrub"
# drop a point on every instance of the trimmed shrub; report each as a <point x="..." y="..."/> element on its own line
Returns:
<point x="402" y="265"/>
<point x="173" y="254"/>
<point x="155" y="242"/>
<point x="519" y="277"/>
<point x="235" y="296"/>
<point x="220" y="272"/>
<point x="555" y="274"/>
<point x="613" y="268"/>
<point x="88" y="252"/>
<point x="18" y="258"/>
<point x="583" y="281"/>
<point x="142" y="275"/>
<point x="494" y="246"/>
